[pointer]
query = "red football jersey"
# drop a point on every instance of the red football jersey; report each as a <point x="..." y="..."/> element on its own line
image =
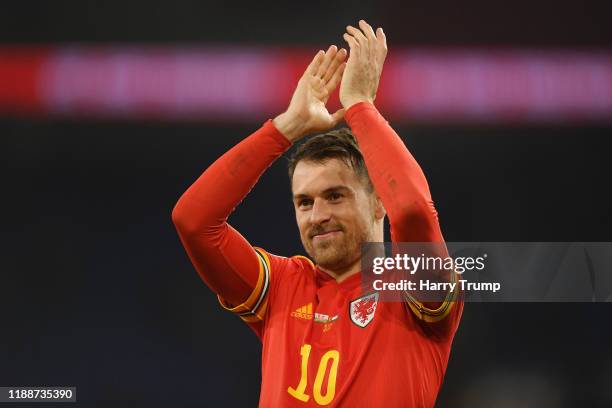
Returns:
<point x="324" y="343"/>
<point x="330" y="344"/>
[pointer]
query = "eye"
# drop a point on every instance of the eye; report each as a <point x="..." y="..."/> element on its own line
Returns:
<point x="334" y="197"/>
<point x="304" y="202"/>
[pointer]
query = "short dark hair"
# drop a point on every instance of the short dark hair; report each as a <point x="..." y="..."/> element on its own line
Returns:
<point x="335" y="144"/>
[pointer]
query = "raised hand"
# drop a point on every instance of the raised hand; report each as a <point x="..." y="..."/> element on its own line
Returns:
<point x="307" y="112"/>
<point x="365" y="64"/>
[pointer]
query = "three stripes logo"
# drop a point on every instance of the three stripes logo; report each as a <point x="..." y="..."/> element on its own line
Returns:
<point x="304" y="312"/>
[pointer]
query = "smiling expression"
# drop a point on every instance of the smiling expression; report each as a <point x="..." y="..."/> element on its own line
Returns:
<point x="335" y="212"/>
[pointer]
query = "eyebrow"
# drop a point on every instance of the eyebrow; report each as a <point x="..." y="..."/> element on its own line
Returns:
<point x="326" y="191"/>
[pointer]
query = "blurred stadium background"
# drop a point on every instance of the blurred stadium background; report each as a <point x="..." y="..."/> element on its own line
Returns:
<point x="108" y="111"/>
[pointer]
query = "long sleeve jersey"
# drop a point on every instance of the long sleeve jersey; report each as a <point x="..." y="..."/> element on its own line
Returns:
<point x="324" y="342"/>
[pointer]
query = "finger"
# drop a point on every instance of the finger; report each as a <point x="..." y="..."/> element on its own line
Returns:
<point x="327" y="61"/>
<point x="367" y="30"/>
<point x="337" y="116"/>
<point x="380" y="36"/>
<point x="335" y="79"/>
<point x="355" y="32"/>
<point x="316" y="62"/>
<point x="352" y="42"/>
<point x="333" y="67"/>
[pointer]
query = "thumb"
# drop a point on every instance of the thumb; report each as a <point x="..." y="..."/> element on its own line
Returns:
<point x="338" y="116"/>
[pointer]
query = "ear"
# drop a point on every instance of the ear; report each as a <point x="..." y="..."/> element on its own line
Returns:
<point x="379" y="209"/>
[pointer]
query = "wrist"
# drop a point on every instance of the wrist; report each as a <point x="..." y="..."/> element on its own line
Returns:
<point x="353" y="100"/>
<point x="289" y="126"/>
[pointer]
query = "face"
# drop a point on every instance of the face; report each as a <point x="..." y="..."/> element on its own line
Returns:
<point x="335" y="213"/>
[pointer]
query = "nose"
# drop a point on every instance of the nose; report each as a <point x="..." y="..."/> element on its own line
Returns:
<point x="320" y="212"/>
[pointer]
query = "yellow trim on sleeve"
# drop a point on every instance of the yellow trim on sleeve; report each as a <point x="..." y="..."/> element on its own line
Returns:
<point x="254" y="308"/>
<point x="433" y="315"/>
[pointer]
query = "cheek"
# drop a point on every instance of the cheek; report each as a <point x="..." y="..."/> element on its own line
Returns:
<point x="301" y="221"/>
<point x="362" y="218"/>
<point x="351" y="217"/>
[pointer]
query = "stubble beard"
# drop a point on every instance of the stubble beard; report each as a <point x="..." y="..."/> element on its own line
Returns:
<point x="338" y="253"/>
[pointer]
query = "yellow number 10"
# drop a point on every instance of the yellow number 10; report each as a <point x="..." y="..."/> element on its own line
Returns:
<point x="299" y="392"/>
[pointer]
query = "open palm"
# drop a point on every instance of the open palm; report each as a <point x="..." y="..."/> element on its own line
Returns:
<point x="314" y="89"/>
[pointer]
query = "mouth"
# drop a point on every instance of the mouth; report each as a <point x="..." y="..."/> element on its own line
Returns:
<point x="327" y="234"/>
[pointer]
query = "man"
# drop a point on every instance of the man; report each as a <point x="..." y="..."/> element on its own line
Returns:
<point x="325" y="343"/>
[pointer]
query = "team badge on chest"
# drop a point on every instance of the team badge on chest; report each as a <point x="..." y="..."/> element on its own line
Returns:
<point x="362" y="310"/>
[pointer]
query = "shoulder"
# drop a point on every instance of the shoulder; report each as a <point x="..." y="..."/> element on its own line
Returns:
<point x="281" y="265"/>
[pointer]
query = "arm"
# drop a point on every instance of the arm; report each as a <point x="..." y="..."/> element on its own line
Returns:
<point x="395" y="174"/>
<point x="223" y="258"/>
<point x="404" y="192"/>
<point x="397" y="177"/>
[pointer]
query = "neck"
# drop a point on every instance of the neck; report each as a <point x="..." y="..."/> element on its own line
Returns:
<point x="344" y="273"/>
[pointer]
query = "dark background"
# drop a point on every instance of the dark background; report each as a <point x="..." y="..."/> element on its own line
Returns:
<point x="96" y="291"/>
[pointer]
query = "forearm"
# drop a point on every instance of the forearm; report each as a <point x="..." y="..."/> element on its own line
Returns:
<point x="396" y="176"/>
<point x="222" y="257"/>
<point x="212" y="197"/>
<point x="403" y="190"/>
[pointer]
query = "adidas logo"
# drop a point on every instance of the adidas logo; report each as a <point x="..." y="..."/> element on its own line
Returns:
<point x="304" y="312"/>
